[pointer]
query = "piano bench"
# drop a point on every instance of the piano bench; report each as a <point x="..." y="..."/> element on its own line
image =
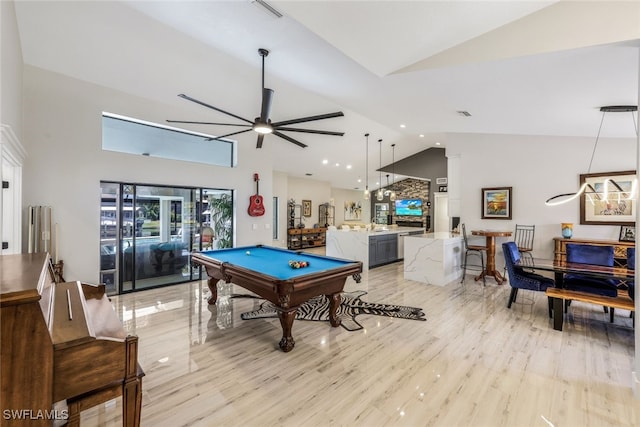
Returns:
<point x="128" y="391"/>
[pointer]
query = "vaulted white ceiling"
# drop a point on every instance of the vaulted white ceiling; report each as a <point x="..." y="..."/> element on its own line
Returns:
<point x="519" y="67"/>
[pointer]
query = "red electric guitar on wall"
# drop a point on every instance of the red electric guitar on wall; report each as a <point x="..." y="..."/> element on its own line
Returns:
<point x="256" y="207"/>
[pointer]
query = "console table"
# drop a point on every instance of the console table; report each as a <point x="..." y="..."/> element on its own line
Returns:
<point x="302" y="238"/>
<point x="619" y="248"/>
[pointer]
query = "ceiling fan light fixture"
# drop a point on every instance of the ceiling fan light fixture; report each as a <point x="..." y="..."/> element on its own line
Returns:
<point x="263" y="128"/>
<point x="263" y="125"/>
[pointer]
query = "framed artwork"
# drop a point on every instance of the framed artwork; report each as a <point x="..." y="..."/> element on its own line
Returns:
<point x="442" y="189"/>
<point x="616" y="209"/>
<point x="306" y="208"/>
<point x="352" y="211"/>
<point x="496" y="203"/>
<point x="627" y="233"/>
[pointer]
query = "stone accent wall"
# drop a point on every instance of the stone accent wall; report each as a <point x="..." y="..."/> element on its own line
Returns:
<point x="409" y="188"/>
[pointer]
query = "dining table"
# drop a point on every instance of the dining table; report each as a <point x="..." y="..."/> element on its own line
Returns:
<point x="559" y="268"/>
<point x="490" y="239"/>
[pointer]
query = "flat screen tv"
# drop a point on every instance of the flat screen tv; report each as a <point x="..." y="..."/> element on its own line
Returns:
<point x="409" y="207"/>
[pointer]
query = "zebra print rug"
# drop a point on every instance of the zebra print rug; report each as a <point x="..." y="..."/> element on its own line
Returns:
<point x="351" y="306"/>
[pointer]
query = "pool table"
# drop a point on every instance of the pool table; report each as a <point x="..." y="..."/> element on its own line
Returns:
<point x="266" y="272"/>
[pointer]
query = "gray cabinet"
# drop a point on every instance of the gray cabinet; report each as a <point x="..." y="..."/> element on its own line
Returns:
<point x="383" y="249"/>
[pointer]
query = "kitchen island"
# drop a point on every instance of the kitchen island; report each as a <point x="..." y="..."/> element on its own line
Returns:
<point x="433" y="258"/>
<point x="373" y="248"/>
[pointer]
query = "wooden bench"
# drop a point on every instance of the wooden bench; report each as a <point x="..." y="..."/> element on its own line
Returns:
<point x="558" y="296"/>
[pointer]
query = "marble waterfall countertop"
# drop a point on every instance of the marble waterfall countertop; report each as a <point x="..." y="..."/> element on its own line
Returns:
<point x="433" y="258"/>
<point x="380" y="230"/>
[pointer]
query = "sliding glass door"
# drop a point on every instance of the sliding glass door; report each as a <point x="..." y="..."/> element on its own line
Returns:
<point x="147" y="233"/>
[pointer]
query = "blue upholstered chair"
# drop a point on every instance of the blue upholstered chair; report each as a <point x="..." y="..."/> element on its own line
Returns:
<point x="595" y="255"/>
<point x="520" y="279"/>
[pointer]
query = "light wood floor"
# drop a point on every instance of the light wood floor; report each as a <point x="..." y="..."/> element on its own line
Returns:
<point x="472" y="363"/>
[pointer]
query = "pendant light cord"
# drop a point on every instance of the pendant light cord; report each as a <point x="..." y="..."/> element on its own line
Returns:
<point x="380" y="170"/>
<point x="366" y="160"/>
<point x="392" y="190"/>
<point x="595" y="145"/>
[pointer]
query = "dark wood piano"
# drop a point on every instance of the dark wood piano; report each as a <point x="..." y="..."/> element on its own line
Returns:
<point x="61" y="341"/>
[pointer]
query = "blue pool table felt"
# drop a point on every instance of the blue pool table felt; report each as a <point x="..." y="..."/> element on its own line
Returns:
<point x="274" y="262"/>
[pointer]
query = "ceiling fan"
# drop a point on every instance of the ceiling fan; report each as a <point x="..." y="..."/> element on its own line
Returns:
<point x="263" y="124"/>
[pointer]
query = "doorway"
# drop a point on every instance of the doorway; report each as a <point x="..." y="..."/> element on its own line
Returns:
<point x="441" y="212"/>
<point x="147" y="233"/>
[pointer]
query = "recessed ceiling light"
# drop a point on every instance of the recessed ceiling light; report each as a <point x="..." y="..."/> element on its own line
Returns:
<point x="437" y="143"/>
<point x="348" y="166"/>
<point x="421" y="135"/>
<point x="325" y="161"/>
<point x="403" y="126"/>
<point x="359" y="179"/>
<point x="337" y="164"/>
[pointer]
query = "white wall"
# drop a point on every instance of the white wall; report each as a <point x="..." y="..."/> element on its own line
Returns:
<point x="66" y="164"/>
<point x="537" y="167"/>
<point x="341" y="195"/>
<point x="11" y="74"/>
<point x="309" y="189"/>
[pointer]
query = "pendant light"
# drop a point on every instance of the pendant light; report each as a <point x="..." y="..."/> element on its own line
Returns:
<point x="392" y="196"/>
<point x="380" y="194"/>
<point x="609" y="186"/>
<point x="366" y="170"/>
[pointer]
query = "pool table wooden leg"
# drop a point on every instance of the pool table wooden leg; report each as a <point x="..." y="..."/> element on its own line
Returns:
<point x="286" y="320"/>
<point x="334" y="303"/>
<point x="213" y="287"/>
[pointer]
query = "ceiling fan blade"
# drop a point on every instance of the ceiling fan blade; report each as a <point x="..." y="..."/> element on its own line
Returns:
<point x="309" y="119"/>
<point x="229" y="134"/>
<point x="288" y="138"/>
<point x="260" y="139"/>
<point x="182" y="95"/>
<point x="206" y="123"/>
<point x="267" y="97"/>
<point x="321" y="132"/>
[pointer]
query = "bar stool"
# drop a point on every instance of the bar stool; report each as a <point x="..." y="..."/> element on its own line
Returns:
<point x="473" y="250"/>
